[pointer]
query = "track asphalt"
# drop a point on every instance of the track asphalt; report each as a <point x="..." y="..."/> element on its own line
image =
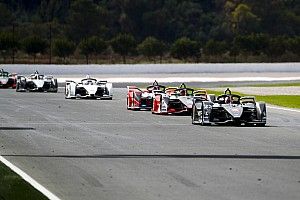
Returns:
<point x="91" y="149"/>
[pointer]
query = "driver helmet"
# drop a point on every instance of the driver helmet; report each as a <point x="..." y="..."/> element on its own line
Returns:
<point x="182" y="93"/>
<point x="227" y="100"/>
<point x="88" y="76"/>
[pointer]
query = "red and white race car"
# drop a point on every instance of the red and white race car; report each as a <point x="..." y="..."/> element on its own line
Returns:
<point x="142" y="99"/>
<point x="7" y="80"/>
<point x="174" y="101"/>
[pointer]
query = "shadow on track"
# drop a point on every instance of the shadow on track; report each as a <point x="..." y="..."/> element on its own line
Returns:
<point x="262" y="157"/>
<point x="16" y="128"/>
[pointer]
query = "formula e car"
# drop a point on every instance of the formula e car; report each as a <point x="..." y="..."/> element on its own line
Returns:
<point x="37" y="83"/>
<point x="7" y="80"/>
<point x="229" y="109"/>
<point x="174" y="101"/>
<point x="88" y="88"/>
<point x="138" y="99"/>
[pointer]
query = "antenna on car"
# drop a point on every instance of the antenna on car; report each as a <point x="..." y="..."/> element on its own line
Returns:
<point x="227" y="90"/>
<point x="182" y="85"/>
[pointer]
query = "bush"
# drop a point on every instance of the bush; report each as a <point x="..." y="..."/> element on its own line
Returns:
<point x="34" y="45"/>
<point x="63" y="48"/>
<point x="151" y="47"/>
<point x="123" y="44"/>
<point x="184" y="48"/>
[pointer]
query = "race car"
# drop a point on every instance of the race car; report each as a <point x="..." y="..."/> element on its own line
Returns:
<point x="88" y="88"/>
<point x="37" y="83"/>
<point x="229" y="109"/>
<point x="142" y="99"/>
<point x="7" y="80"/>
<point x="174" y="101"/>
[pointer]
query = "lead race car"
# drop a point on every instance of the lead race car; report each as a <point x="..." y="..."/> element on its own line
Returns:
<point x="230" y="109"/>
<point x="88" y="88"/>
<point x="142" y="99"/>
<point x="174" y="101"/>
<point x="7" y="80"/>
<point x="37" y="83"/>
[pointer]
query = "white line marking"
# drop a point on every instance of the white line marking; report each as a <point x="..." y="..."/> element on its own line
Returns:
<point x="183" y="79"/>
<point x="285" y="109"/>
<point x="28" y="179"/>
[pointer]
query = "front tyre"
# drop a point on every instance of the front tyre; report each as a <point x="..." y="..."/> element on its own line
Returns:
<point x="195" y="116"/>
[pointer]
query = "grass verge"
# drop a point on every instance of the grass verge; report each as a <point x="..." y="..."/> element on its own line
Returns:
<point x="276" y="84"/>
<point x="290" y="101"/>
<point x="13" y="187"/>
<point x="264" y="85"/>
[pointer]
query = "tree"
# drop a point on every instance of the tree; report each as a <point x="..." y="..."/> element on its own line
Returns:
<point x="184" y="48"/>
<point x="293" y="45"/>
<point x="254" y="43"/>
<point x="33" y="45"/>
<point x="277" y="47"/>
<point x="8" y="43"/>
<point x="5" y="16"/>
<point x="85" y="49"/>
<point x="151" y="47"/>
<point x="63" y="48"/>
<point x="214" y="48"/>
<point x="123" y="44"/>
<point x="98" y="45"/>
<point x="93" y="45"/>
<point x="242" y="19"/>
<point x="85" y="20"/>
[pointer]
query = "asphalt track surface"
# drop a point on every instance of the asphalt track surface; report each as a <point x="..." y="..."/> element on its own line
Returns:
<point x="91" y="149"/>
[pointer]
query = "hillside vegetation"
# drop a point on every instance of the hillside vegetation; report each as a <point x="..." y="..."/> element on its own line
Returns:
<point x="112" y="31"/>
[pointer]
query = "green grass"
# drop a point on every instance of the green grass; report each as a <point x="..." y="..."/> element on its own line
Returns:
<point x="276" y="84"/>
<point x="13" y="187"/>
<point x="265" y="85"/>
<point x="290" y="101"/>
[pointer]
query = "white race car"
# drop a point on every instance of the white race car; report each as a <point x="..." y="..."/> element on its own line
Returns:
<point x="88" y="88"/>
<point x="36" y="83"/>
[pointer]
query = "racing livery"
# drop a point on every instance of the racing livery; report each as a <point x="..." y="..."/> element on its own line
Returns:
<point x="7" y="80"/>
<point x="138" y="99"/>
<point x="36" y="83"/>
<point x="174" y="101"/>
<point x="88" y="88"/>
<point x="230" y="109"/>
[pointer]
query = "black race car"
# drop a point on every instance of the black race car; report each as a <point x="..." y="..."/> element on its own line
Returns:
<point x="230" y="109"/>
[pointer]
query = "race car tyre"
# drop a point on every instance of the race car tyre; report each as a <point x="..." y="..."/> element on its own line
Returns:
<point x="55" y="86"/>
<point x="127" y="104"/>
<point x="67" y="94"/>
<point x="18" y="88"/>
<point x="195" y="117"/>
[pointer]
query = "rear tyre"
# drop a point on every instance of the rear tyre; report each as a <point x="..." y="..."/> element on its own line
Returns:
<point x="55" y="86"/>
<point x="195" y="116"/>
<point x="260" y="125"/>
<point x="202" y="117"/>
<point x="127" y="104"/>
<point x="18" y="87"/>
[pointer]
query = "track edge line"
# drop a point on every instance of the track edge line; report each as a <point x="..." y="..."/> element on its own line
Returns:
<point x="283" y="108"/>
<point x="29" y="179"/>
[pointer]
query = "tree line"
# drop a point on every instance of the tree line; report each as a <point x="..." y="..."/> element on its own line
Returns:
<point x="185" y="30"/>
